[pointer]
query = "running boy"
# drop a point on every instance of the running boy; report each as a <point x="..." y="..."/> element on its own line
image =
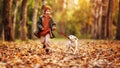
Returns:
<point x="45" y="26"/>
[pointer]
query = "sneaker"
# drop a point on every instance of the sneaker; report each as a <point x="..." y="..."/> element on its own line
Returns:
<point x="44" y="46"/>
<point x="46" y="50"/>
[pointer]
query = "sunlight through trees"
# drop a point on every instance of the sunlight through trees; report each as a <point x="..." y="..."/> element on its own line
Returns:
<point x="83" y="18"/>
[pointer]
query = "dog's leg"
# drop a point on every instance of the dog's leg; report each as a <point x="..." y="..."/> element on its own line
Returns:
<point x="72" y="48"/>
<point x="76" y="45"/>
<point x="67" y="46"/>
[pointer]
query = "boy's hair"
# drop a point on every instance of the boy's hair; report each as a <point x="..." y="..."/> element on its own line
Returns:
<point x="46" y="8"/>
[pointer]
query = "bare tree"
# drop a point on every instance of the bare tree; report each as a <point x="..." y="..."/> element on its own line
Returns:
<point x="118" y="25"/>
<point x="104" y="18"/>
<point x="110" y="19"/>
<point x="34" y="18"/>
<point x="15" y="16"/>
<point x="43" y="3"/>
<point x="23" y="28"/>
<point x="97" y="15"/>
<point x="7" y="22"/>
<point x="102" y="11"/>
<point x="107" y="19"/>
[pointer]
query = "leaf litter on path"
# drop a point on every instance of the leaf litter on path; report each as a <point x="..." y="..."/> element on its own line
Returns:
<point x="90" y="54"/>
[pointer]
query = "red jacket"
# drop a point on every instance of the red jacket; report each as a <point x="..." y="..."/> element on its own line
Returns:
<point x="46" y="27"/>
<point x="45" y="23"/>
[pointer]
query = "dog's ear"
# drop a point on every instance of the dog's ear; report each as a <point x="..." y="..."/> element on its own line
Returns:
<point x="76" y="38"/>
<point x="70" y="36"/>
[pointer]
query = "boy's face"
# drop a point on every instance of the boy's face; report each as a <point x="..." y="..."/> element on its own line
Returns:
<point x="48" y="12"/>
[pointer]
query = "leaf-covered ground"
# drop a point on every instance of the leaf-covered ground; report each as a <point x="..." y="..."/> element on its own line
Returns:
<point x="91" y="54"/>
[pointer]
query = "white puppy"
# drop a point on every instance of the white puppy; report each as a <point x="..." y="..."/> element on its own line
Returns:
<point x="73" y="43"/>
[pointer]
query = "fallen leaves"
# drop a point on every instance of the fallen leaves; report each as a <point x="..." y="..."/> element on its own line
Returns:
<point x="91" y="54"/>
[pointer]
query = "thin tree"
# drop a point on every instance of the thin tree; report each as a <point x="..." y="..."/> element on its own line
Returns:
<point x="96" y="15"/>
<point x="23" y="28"/>
<point x="1" y="2"/>
<point x="15" y="16"/>
<point x="104" y="19"/>
<point x="110" y="19"/>
<point x="43" y="3"/>
<point x="34" y="18"/>
<point x="118" y="25"/>
<point x="7" y="22"/>
<point x="107" y="19"/>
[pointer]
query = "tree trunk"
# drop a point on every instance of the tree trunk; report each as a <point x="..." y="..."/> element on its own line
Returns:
<point x="118" y="25"/>
<point x="43" y="3"/>
<point x="110" y="19"/>
<point x="7" y="22"/>
<point x="103" y="27"/>
<point x="99" y="3"/>
<point x="96" y="13"/>
<point x="107" y="19"/>
<point x="23" y="28"/>
<point x="104" y="19"/>
<point x="1" y="20"/>
<point x="34" y="19"/>
<point x="15" y="16"/>
<point x="93" y="18"/>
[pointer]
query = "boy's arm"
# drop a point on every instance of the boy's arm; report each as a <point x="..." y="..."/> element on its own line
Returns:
<point x="53" y="25"/>
<point x="39" y="23"/>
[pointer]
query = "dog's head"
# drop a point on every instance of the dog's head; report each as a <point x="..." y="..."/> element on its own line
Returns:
<point x="73" y="38"/>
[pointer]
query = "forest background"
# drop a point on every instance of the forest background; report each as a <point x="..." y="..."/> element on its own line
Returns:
<point x="87" y="19"/>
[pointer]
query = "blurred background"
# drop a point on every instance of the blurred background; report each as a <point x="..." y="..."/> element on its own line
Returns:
<point x="86" y="19"/>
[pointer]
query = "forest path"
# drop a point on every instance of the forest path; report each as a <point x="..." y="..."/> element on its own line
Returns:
<point x="30" y="54"/>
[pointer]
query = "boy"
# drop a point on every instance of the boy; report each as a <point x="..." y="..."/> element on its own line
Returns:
<point x="45" y="26"/>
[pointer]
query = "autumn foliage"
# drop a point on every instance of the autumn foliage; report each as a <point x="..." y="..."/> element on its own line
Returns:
<point x="30" y="54"/>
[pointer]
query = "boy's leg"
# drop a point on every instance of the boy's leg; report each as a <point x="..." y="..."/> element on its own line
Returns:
<point x="42" y="39"/>
<point x="47" y="42"/>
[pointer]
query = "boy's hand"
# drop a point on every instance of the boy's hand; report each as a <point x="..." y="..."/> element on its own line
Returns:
<point x="53" y="28"/>
<point x="42" y="29"/>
